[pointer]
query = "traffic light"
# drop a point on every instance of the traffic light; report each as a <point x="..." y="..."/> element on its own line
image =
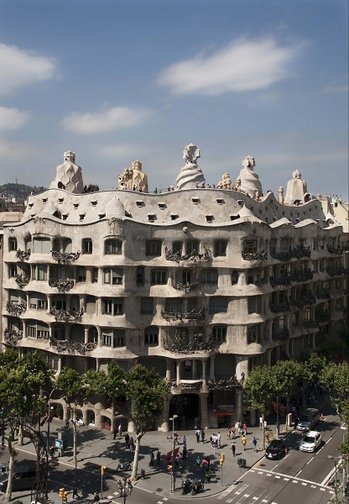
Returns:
<point x="103" y="469"/>
<point x="222" y="458"/>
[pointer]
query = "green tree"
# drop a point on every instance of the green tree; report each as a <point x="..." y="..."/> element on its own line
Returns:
<point x="22" y="380"/>
<point x="72" y="385"/>
<point x="146" y="390"/>
<point x="313" y="367"/>
<point x="260" y="392"/>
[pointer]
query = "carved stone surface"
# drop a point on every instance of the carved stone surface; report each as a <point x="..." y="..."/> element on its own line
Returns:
<point x="190" y="176"/>
<point x="61" y="284"/>
<point x="133" y="178"/>
<point x="249" y="180"/>
<point x="65" y="257"/>
<point x="296" y="189"/>
<point x="68" y="175"/>
<point x="225" y="182"/>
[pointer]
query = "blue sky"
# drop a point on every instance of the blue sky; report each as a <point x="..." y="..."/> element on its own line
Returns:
<point x="119" y="80"/>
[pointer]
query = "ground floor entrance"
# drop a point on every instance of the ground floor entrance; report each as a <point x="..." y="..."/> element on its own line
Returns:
<point x="186" y="406"/>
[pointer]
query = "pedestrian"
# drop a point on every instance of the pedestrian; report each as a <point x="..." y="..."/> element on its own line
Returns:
<point x="244" y="429"/>
<point x="265" y="425"/>
<point x="261" y="422"/>
<point x="219" y="439"/>
<point x="127" y="441"/>
<point x="129" y="486"/>
<point x="75" y="489"/>
<point x="233" y="432"/>
<point x="120" y="430"/>
<point x="132" y="444"/>
<point x="202" y="435"/>
<point x="96" y="497"/>
<point x="184" y="453"/>
<point x="198" y="461"/>
<point x="233" y="448"/>
<point x="243" y="441"/>
<point x="158" y="457"/>
<point x="197" y="435"/>
<point x="151" y="461"/>
<point x="254" y="442"/>
<point x="238" y="426"/>
<point x="184" y="439"/>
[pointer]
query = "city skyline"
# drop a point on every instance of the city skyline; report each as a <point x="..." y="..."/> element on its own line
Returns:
<point x="116" y="81"/>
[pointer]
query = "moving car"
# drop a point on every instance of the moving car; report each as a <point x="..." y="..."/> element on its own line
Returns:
<point x="311" y="441"/>
<point x="276" y="449"/>
<point x="308" y="419"/>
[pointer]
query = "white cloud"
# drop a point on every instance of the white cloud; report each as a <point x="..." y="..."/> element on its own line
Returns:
<point x="106" y="120"/>
<point x="125" y="151"/>
<point x="336" y="89"/>
<point x="16" y="151"/>
<point x="245" y="65"/>
<point x="12" y="118"/>
<point x="20" y="68"/>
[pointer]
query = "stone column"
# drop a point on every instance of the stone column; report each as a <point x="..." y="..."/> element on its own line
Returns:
<point x="162" y="422"/>
<point x="86" y="335"/>
<point x="212" y="375"/>
<point x="49" y="302"/>
<point x="194" y="369"/>
<point x="99" y="336"/>
<point x="178" y="372"/>
<point x="203" y="363"/>
<point x="168" y="369"/>
<point x="238" y="404"/>
<point x="59" y="364"/>
<point x="203" y="410"/>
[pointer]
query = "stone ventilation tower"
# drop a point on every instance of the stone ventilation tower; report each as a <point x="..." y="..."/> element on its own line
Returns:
<point x="68" y="175"/>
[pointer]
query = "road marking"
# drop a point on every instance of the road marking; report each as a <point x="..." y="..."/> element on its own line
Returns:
<point x="277" y="477"/>
<point x="312" y="458"/>
<point x="312" y="486"/>
<point x="264" y="500"/>
<point x="329" y="439"/>
<point x="268" y="474"/>
<point x="246" y="495"/>
<point x="322" y="489"/>
<point x="304" y="484"/>
<point x="286" y="479"/>
<point x="255" y="498"/>
<point x="230" y="488"/>
<point x="229" y="500"/>
<point x="294" y="481"/>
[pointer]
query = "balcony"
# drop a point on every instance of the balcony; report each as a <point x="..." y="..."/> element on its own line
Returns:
<point x="23" y="255"/>
<point x="279" y="307"/>
<point x="72" y="346"/>
<point x="335" y="271"/>
<point x="296" y="253"/>
<point x="280" y="280"/>
<point x="225" y="384"/>
<point x="334" y="250"/>
<point x="61" y="284"/>
<point x="187" y="287"/>
<point x="192" y="256"/>
<point x="65" y="257"/>
<point x="181" y="343"/>
<point x="16" y="309"/>
<point x="280" y="333"/>
<point x="67" y="315"/>
<point x="323" y="294"/>
<point x="22" y="280"/>
<point x="310" y="324"/>
<point x="301" y="275"/>
<point x="194" y="314"/>
<point x="11" y="337"/>
<point x="254" y="256"/>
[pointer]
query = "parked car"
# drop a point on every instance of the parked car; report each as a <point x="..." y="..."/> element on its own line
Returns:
<point x="276" y="449"/>
<point x="23" y="479"/>
<point x="311" y="441"/>
<point x="308" y="419"/>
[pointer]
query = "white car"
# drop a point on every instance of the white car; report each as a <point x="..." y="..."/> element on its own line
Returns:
<point x="311" y="441"/>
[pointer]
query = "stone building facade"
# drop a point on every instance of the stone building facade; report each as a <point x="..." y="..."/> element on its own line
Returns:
<point x="199" y="283"/>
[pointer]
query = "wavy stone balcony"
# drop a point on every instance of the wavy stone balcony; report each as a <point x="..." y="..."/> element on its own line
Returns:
<point x="11" y="337"/>
<point x="16" y="309"/>
<point x="334" y="250"/>
<point x="65" y="257"/>
<point x="195" y="314"/>
<point x="279" y="307"/>
<point x="61" y="284"/>
<point x="296" y="253"/>
<point x="298" y="275"/>
<point x="192" y="256"/>
<point x="67" y="315"/>
<point x="23" y="255"/>
<point x="187" y="287"/>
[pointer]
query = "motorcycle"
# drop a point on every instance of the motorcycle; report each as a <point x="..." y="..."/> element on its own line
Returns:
<point x="186" y="486"/>
<point x="126" y="466"/>
<point x="197" y="487"/>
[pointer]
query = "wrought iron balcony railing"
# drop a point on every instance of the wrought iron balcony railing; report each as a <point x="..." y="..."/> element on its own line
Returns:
<point x="187" y="287"/>
<point x="12" y="336"/>
<point x="72" y="346"/>
<point x="22" y="280"/>
<point x="192" y="256"/>
<point x="187" y="345"/>
<point x="310" y="324"/>
<point x="334" y="250"/>
<point x="279" y="307"/>
<point x="65" y="257"/>
<point x="16" y="308"/>
<point x="225" y="384"/>
<point x="254" y="256"/>
<point x="280" y="280"/>
<point x="61" y="284"/>
<point x="66" y="315"/>
<point x="23" y="255"/>
<point x="195" y="314"/>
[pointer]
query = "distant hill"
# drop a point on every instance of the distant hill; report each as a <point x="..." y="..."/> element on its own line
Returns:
<point x="19" y="191"/>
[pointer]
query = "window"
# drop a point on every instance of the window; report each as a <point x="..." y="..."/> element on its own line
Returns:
<point x="94" y="275"/>
<point x="272" y="246"/>
<point x="41" y="245"/>
<point x="151" y="336"/>
<point x="140" y="276"/>
<point x="254" y="304"/>
<point x="31" y="332"/>
<point x="81" y="274"/>
<point x="174" y="305"/>
<point x="12" y="243"/>
<point x="12" y="270"/>
<point x="253" y="334"/>
<point x="112" y="306"/>
<point x="113" y="276"/>
<point x="177" y="247"/>
<point x="219" y="334"/>
<point x="42" y="304"/>
<point x="59" y="304"/>
<point x="250" y="246"/>
<point x="192" y="247"/>
<point x="209" y="276"/>
<point x="186" y="276"/>
<point x="218" y="304"/>
<point x="58" y="332"/>
<point x="86" y="246"/>
<point x="112" y="246"/>
<point x="220" y="248"/>
<point x="158" y="277"/>
<point x="234" y="277"/>
<point x="40" y="272"/>
<point x="147" y="306"/>
<point x="153" y="248"/>
<point x="114" y="339"/>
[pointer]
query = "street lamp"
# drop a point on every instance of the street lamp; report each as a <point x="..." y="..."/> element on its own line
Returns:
<point x="173" y="475"/>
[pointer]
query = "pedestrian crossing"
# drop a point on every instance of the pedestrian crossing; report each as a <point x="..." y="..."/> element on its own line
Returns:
<point x="243" y="493"/>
